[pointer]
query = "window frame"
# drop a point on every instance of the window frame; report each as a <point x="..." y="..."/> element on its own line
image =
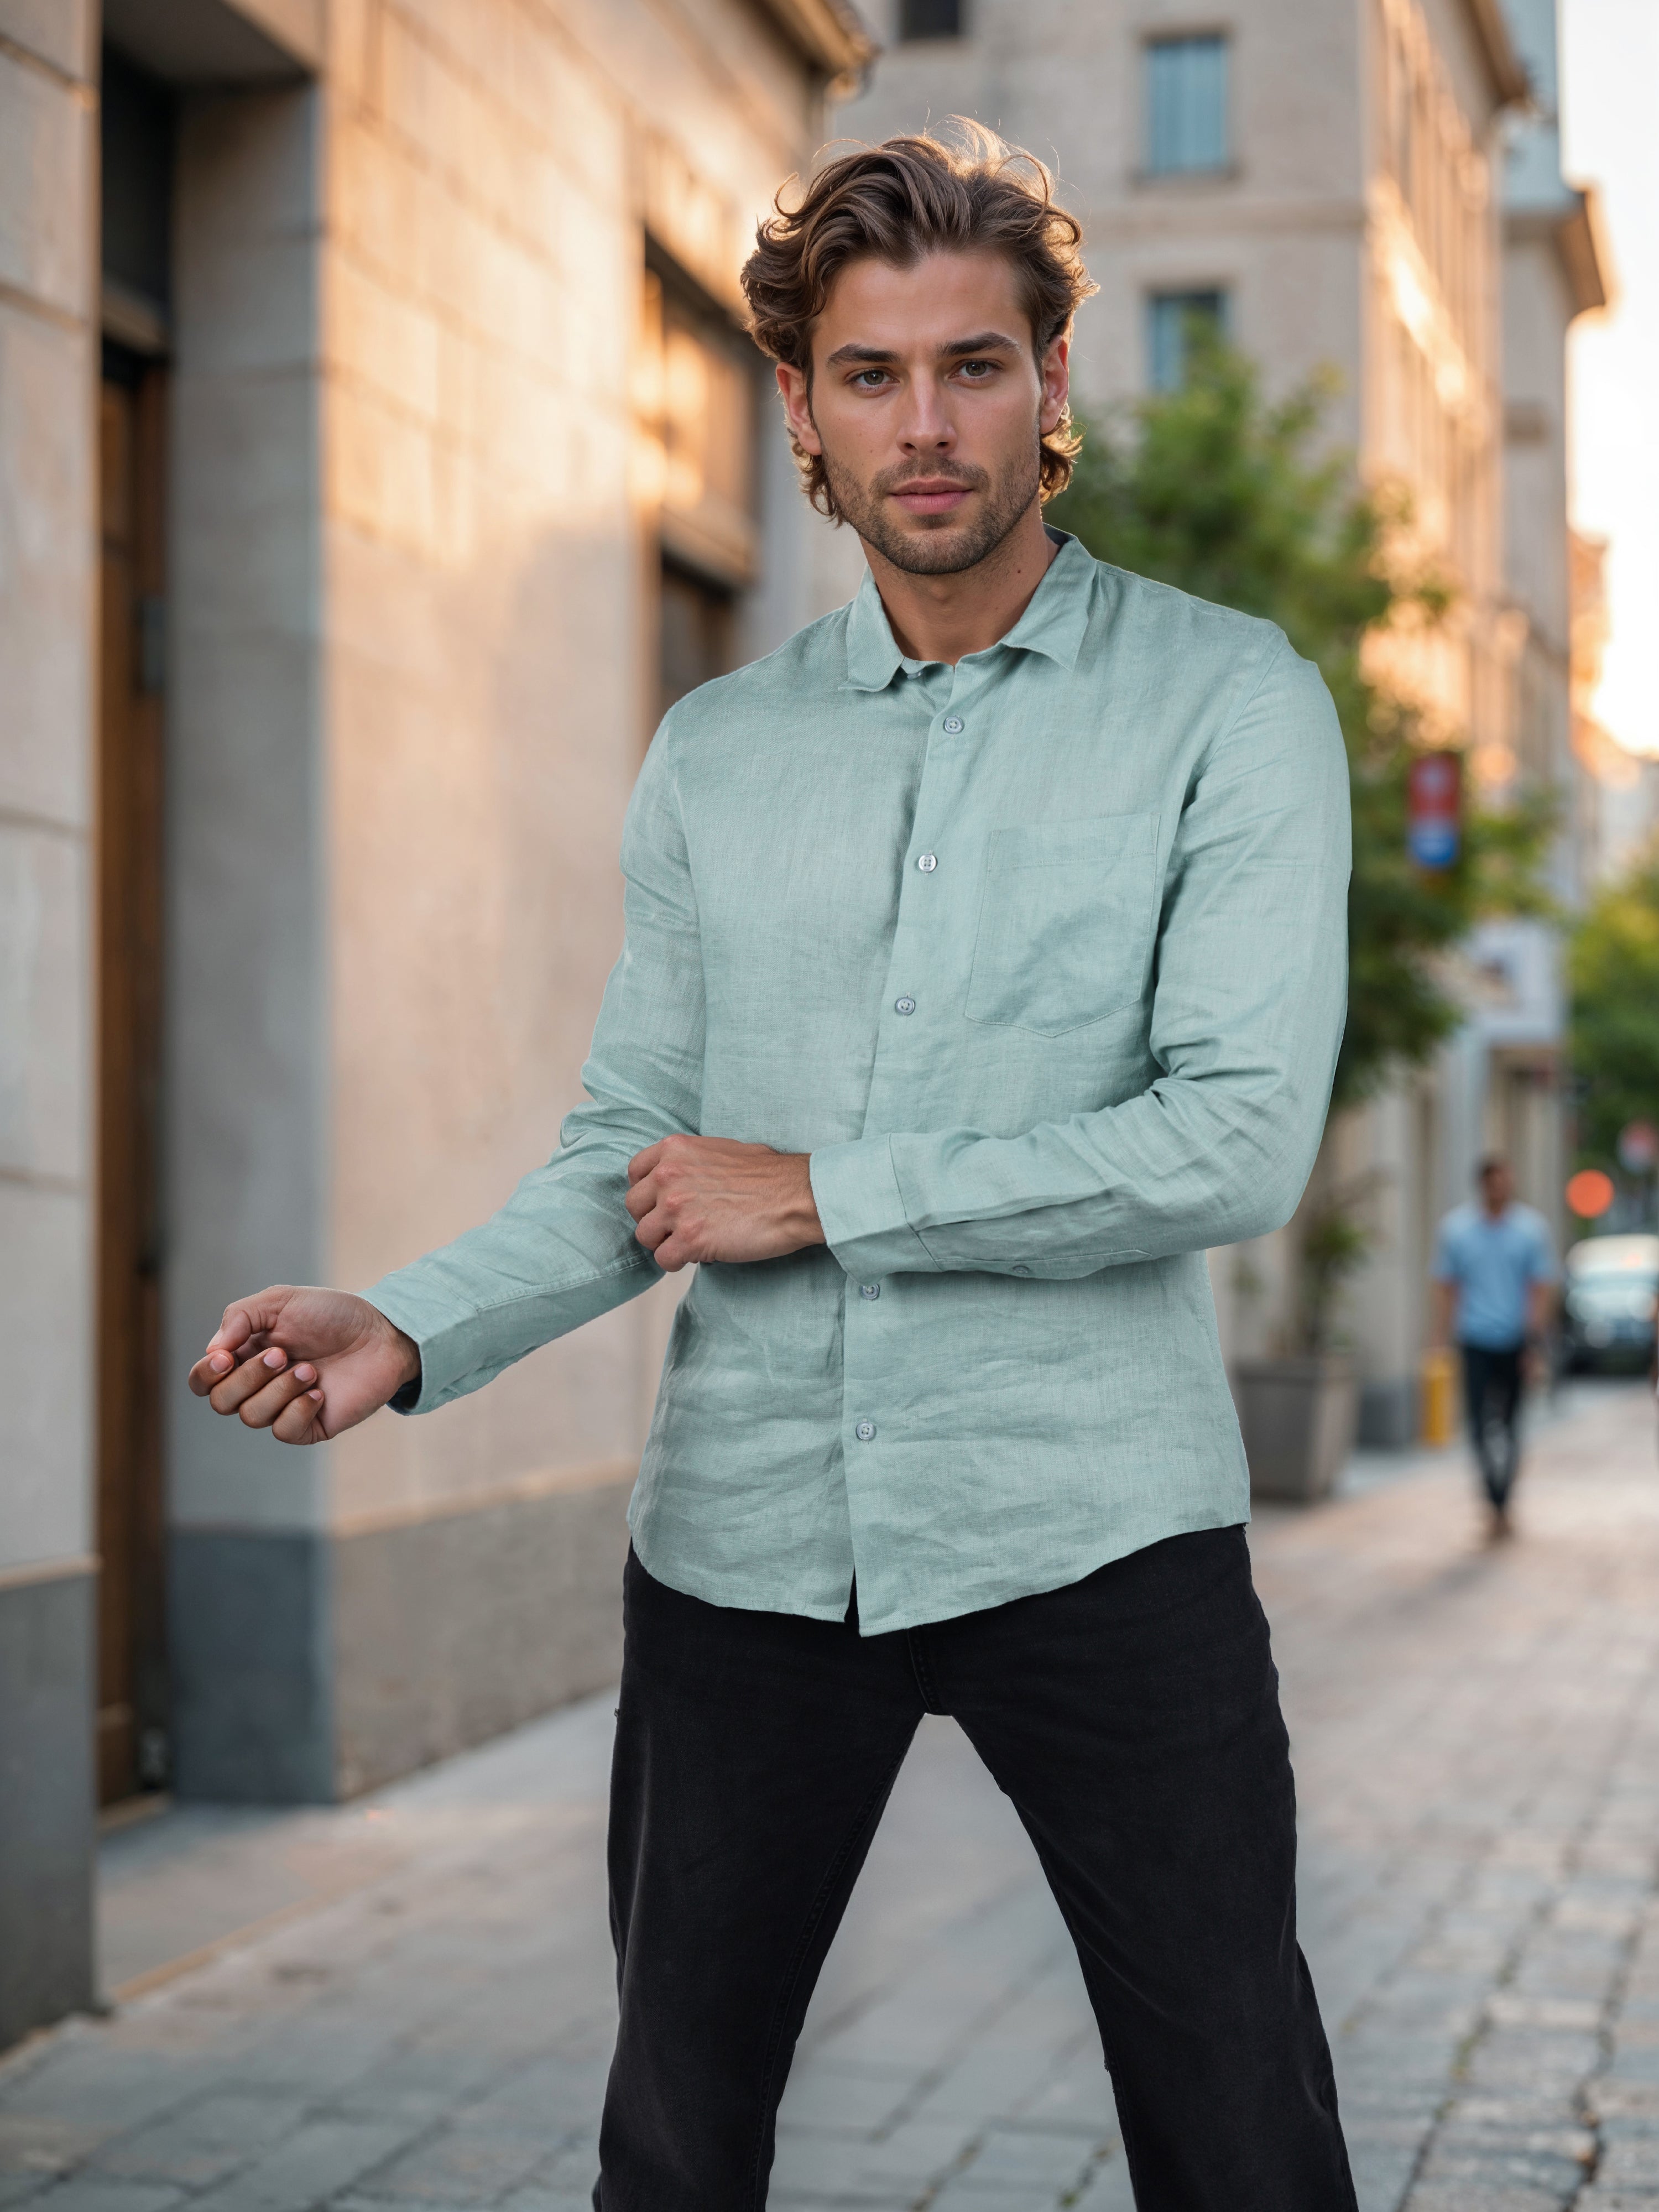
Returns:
<point x="728" y="554"/>
<point x="1154" y="296"/>
<point x="1226" y="167"/>
<point x="959" y="31"/>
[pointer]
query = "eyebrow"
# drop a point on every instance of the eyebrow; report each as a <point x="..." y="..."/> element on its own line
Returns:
<point x="958" y="348"/>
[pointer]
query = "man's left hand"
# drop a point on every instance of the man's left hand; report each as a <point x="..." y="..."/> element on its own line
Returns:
<point x="710" y="1198"/>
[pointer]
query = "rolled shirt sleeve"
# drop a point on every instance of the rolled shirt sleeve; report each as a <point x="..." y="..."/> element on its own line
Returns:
<point x="1246" y="1018"/>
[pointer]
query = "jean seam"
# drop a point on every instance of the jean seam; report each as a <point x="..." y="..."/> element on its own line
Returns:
<point x="920" y="1669"/>
<point x="815" y="1914"/>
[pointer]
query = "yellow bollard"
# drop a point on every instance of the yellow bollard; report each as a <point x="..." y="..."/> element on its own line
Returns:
<point x="1439" y="1382"/>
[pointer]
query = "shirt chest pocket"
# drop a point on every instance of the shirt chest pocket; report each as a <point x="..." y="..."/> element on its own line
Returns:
<point x="1065" y="923"/>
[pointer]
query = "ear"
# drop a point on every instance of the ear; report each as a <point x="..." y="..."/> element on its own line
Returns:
<point x="1056" y="373"/>
<point x="798" y="408"/>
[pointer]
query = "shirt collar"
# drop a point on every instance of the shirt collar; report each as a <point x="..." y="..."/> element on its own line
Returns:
<point x="1052" y="623"/>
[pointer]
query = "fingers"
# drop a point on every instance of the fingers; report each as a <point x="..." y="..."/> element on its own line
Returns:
<point x="299" y="1387"/>
<point x="239" y="1333"/>
<point x="227" y="1388"/>
<point x="259" y="1388"/>
<point x="642" y="1163"/>
<point x="642" y="1196"/>
<point x="672" y="1241"/>
<point x="248" y="1316"/>
<point x="653" y="1229"/>
<point x="301" y="1421"/>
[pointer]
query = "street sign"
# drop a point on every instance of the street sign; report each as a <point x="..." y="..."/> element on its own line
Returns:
<point x="1638" y="1148"/>
<point x="1590" y="1193"/>
<point x="1434" y="809"/>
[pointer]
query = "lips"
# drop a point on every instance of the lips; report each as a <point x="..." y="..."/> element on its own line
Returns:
<point x="931" y="498"/>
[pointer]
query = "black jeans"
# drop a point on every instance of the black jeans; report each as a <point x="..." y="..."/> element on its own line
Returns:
<point x="1492" y="1399"/>
<point x="1133" y="1720"/>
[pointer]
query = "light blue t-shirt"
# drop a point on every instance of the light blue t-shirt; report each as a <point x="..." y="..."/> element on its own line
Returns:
<point x="1493" y="1262"/>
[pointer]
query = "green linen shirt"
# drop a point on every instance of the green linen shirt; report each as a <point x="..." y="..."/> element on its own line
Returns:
<point x="1041" y="957"/>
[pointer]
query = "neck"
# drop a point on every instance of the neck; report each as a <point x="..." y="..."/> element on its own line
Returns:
<point x="943" y="617"/>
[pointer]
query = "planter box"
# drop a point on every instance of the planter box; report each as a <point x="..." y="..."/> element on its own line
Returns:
<point x="1298" y="1417"/>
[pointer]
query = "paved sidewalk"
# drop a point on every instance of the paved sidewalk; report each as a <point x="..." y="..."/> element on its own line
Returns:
<point x="409" y="2009"/>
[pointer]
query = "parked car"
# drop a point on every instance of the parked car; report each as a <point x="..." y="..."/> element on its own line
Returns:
<point x="1611" y="1301"/>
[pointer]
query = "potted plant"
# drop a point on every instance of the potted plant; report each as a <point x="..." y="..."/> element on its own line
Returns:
<point x="1299" y="1412"/>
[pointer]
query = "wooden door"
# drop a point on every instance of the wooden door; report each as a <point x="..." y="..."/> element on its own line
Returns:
<point x="131" y="1677"/>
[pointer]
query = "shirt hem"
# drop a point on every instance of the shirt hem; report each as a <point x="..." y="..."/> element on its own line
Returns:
<point x="1006" y="1591"/>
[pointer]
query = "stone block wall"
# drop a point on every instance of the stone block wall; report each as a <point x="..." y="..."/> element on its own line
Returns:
<point x="415" y="576"/>
<point x="48" y="574"/>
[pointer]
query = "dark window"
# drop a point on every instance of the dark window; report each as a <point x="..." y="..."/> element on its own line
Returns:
<point x="1172" y="319"/>
<point x="135" y="136"/>
<point x="697" y="386"/>
<point x="1186" y="105"/>
<point x="696" y="632"/>
<point x="930" y="19"/>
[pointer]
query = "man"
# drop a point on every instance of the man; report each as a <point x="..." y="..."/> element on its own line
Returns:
<point x="1494" y="1276"/>
<point x="984" y="964"/>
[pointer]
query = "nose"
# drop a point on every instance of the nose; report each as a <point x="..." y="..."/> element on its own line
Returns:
<point x="926" y="426"/>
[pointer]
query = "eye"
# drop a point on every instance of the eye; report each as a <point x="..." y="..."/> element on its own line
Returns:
<point x="868" y="379"/>
<point x="977" y="371"/>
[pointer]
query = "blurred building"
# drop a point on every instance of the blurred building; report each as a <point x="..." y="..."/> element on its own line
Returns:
<point x="1376" y="188"/>
<point x="1503" y="1074"/>
<point x="379" y="449"/>
<point x="1616" y="810"/>
<point x="1316" y="178"/>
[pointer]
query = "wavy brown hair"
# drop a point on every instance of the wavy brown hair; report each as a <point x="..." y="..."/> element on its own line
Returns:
<point x="895" y="202"/>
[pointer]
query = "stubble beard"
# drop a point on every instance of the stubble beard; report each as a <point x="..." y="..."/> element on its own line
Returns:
<point x="945" y="549"/>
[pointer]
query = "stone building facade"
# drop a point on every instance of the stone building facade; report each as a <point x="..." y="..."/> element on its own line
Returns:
<point x="1344" y="184"/>
<point x="379" y="447"/>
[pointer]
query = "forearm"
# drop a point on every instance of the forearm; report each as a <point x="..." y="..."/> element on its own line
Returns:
<point x="1182" y="1167"/>
<point x="561" y="1250"/>
<point x="560" y="1253"/>
<point x="1443" y="1307"/>
<point x="1241" y="1041"/>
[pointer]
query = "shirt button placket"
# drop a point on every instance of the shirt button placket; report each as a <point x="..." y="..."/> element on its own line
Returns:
<point x="864" y="1429"/>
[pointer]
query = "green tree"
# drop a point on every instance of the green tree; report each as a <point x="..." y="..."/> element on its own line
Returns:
<point x="1612" y="965"/>
<point x="1215" y="489"/>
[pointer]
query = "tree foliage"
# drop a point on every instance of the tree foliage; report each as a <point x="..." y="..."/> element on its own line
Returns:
<point x="1612" y="965"/>
<point x="1219" y="491"/>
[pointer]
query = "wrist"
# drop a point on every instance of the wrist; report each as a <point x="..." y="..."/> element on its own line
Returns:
<point x="404" y="1350"/>
<point x="804" y="1213"/>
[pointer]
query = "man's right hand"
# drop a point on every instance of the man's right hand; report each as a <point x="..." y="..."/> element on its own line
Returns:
<point x="304" y="1364"/>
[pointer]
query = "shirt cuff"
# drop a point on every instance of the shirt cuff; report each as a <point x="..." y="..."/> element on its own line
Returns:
<point x="861" y="1209"/>
<point x="448" y="1349"/>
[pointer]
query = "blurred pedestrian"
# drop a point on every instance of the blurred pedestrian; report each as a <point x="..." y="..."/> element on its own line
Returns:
<point x="984" y="965"/>
<point x="1494" y="1292"/>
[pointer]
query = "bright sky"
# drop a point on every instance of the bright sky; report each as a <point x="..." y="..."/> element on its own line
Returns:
<point x="1610" y="138"/>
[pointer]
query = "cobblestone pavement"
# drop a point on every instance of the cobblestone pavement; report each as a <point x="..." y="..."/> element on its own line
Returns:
<point x="419" y="2017"/>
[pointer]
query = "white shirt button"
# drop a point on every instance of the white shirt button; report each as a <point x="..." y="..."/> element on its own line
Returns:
<point x="905" y="1005"/>
<point x="951" y="726"/>
<point x="927" y="862"/>
<point x="1020" y="1271"/>
<point x="865" y="1431"/>
<point x="869" y="1290"/>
